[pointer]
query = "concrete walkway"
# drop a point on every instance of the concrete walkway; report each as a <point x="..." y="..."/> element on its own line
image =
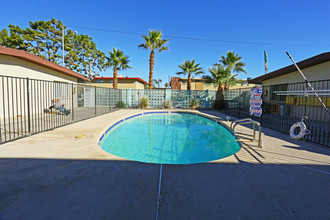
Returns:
<point x="54" y="175"/>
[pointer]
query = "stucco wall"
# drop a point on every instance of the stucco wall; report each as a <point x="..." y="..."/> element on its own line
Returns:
<point x="12" y="66"/>
<point x="314" y="73"/>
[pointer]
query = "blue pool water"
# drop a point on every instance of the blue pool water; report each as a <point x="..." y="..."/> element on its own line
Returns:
<point x="169" y="138"/>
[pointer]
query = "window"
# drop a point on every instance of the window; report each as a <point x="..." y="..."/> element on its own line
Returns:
<point x="276" y="97"/>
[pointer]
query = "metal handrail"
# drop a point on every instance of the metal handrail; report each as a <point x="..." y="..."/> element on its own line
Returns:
<point x="247" y="121"/>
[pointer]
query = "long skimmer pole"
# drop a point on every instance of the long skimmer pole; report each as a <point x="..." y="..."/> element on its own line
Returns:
<point x="308" y="83"/>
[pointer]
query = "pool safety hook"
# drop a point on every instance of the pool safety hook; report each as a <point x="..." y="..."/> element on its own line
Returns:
<point x="247" y="137"/>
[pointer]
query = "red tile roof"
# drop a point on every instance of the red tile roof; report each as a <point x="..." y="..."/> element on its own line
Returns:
<point x="39" y="61"/>
<point x="134" y="78"/>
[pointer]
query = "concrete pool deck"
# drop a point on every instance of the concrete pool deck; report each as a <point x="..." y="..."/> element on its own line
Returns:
<point x="54" y="175"/>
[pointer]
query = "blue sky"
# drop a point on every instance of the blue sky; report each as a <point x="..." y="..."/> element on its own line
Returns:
<point x="274" y="22"/>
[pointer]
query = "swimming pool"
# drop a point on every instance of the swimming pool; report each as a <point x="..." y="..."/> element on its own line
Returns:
<point x="169" y="138"/>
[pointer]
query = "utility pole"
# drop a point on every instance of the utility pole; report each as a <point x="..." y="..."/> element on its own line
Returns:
<point x="266" y="62"/>
<point x="63" y="45"/>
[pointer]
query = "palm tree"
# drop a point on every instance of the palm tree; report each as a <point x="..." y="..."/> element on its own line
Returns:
<point x="233" y="62"/>
<point x="154" y="42"/>
<point x="222" y="78"/>
<point x="189" y="67"/>
<point x="166" y="85"/>
<point x="118" y="61"/>
<point x="219" y="76"/>
<point x="158" y="81"/>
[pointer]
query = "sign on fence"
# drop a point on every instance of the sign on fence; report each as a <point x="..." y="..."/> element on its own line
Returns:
<point x="255" y="101"/>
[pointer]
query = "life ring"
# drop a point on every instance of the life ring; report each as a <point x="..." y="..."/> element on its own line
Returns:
<point x="302" y="133"/>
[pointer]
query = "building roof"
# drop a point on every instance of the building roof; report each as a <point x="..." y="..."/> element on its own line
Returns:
<point x="312" y="61"/>
<point x="201" y="79"/>
<point x="123" y="78"/>
<point x="193" y="79"/>
<point x="40" y="61"/>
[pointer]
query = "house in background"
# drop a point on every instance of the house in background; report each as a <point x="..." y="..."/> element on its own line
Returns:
<point x="317" y="71"/>
<point x="123" y="82"/>
<point x="18" y="63"/>
<point x="199" y="84"/>
<point x="47" y="81"/>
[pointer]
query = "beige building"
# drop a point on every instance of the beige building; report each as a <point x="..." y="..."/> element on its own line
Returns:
<point x="18" y="63"/>
<point x="315" y="68"/>
<point x="123" y="82"/>
<point x="317" y="71"/>
<point x="24" y="76"/>
<point x="199" y="84"/>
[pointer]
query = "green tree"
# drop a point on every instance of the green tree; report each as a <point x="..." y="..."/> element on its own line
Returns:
<point x="153" y="42"/>
<point x="233" y="62"/>
<point x="222" y="78"/>
<point x="14" y="38"/>
<point x="166" y="85"/>
<point x="118" y="61"/>
<point x="158" y="82"/>
<point x="189" y="67"/>
<point x="84" y="57"/>
<point x="4" y="38"/>
<point x="45" y="38"/>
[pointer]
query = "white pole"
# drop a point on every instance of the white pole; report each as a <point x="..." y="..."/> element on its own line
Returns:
<point x="63" y="45"/>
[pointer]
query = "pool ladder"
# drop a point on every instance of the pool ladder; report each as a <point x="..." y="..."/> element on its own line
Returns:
<point x="244" y="136"/>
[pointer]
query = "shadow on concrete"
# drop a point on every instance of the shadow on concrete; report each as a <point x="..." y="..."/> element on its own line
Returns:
<point x="90" y="189"/>
<point x="77" y="189"/>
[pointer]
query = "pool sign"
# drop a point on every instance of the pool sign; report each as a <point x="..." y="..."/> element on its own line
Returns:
<point x="255" y="101"/>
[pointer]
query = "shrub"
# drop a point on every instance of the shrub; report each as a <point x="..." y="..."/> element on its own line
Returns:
<point x="194" y="104"/>
<point x="121" y="104"/>
<point x="144" y="102"/>
<point x="167" y="104"/>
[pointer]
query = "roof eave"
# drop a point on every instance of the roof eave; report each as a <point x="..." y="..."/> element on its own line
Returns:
<point x="318" y="59"/>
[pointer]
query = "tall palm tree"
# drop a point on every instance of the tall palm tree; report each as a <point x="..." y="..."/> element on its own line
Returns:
<point x="189" y="67"/>
<point x="233" y="62"/>
<point x="153" y="42"/>
<point x="118" y="61"/>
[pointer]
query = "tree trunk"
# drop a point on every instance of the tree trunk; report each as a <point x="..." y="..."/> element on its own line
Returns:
<point x="189" y="82"/>
<point x="220" y="99"/>
<point x="90" y="70"/>
<point x="115" y="80"/>
<point x="226" y="86"/>
<point x="151" y="67"/>
<point x="220" y="89"/>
